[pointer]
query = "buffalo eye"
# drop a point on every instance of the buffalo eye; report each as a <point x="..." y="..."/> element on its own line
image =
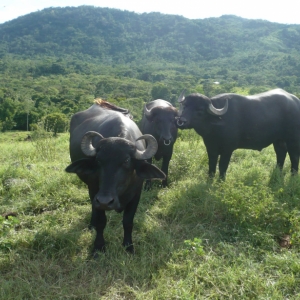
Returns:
<point x="126" y="162"/>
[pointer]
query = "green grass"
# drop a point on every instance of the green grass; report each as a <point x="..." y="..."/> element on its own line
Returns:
<point x="197" y="239"/>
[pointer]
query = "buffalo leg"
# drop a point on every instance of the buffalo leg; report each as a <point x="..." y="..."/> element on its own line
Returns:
<point x="212" y="163"/>
<point x="223" y="164"/>
<point x="148" y="183"/>
<point x="293" y="149"/>
<point x="128" y="216"/>
<point x="281" y="151"/>
<point x="294" y="162"/>
<point x="98" y="222"/>
<point x="165" y="169"/>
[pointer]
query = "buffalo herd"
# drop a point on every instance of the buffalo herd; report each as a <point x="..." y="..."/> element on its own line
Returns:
<point x="113" y="156"/>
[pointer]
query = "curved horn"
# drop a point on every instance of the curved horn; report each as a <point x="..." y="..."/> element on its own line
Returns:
<point x="86" y="143"/>
<point x="217" y="111"/>
<point x="147" y="112"/>
<point x="150" y="150"/>
<point x="181" y="96"/>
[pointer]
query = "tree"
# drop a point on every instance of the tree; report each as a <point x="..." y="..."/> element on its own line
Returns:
<point x="56" y="122"/>
<point x="8" y="110"/>
<point x="160" y="91"/>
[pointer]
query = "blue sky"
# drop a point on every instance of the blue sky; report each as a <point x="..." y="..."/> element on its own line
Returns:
<point x="285" y="12"/>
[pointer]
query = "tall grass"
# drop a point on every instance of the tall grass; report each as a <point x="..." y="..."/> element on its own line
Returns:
<point x="197" y="239"/>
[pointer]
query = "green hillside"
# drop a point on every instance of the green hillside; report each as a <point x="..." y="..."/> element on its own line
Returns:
<point x="62" y="58"/>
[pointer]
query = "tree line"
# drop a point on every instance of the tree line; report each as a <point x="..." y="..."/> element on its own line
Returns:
<point x="54" y="62"/>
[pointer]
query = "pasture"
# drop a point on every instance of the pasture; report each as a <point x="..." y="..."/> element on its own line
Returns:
<point x="196" y="239"/>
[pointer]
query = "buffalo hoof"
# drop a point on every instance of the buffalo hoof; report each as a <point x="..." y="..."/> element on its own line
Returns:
<point x="148" y="185"/>
<point x="98" y="251"/>
<point x="96" y="254"/>
<point x="164" y="184"/>
<point x="294" y="172"/>
<point x="129" y="249"/>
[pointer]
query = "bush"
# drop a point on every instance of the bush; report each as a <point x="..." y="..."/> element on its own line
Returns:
<point x="56" y="122"/>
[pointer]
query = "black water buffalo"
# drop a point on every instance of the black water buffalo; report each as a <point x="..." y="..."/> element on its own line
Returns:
<point x="108" y="153"/>
<point x="229" y="121"/>
<point x="159" y="121"/>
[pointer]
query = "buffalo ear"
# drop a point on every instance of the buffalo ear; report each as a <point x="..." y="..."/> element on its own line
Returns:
<point x="147" y="171"/>
<point x="84" y="166"/>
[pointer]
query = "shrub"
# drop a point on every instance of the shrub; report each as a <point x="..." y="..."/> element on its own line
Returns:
<point x="56" y="122"/>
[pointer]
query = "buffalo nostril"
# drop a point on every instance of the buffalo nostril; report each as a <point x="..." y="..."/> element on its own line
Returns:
<point x="104" y="203"/>
<point x="111" y="202"/>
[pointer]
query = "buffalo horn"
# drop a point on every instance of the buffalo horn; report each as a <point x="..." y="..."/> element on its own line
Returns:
<point x="218" y="111"/>
<point x="150" y="150"/>
<point x="181" y="96"/>
<point x="147" y="112"/>
<point x="86" y="143"/>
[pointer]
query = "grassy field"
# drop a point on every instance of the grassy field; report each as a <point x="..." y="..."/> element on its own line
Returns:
<point x="197" y="239"/>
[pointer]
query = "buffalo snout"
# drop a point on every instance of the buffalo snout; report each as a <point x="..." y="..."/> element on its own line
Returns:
<point x="180" y="121"/>
<point x="105" y="203"/>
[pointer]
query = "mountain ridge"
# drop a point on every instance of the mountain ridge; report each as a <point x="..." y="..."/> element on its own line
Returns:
<point x="115" y="33"/>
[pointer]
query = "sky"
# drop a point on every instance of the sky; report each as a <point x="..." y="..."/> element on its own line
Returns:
<point x="284" y="11"/>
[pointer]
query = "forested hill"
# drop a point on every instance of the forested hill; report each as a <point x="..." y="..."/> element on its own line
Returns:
<point x="126" y="36"/>
<point x="120" y="37"/>
<point x="61" y="58"/>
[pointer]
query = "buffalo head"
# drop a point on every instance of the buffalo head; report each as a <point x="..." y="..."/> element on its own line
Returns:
<point x="117" y="165"/>
<point x="162" y="118"/>
<point x="195" y="107"/>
